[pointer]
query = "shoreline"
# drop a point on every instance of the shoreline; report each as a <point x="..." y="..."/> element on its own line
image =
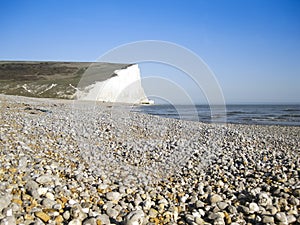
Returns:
<point x="126" y="105"/>
<point x="96" y="164"/>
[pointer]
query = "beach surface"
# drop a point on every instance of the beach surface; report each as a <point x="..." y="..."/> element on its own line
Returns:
<point x="72" y="162"/>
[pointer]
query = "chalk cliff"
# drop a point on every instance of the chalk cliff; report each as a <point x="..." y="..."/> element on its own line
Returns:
<point x="124" y="85"/>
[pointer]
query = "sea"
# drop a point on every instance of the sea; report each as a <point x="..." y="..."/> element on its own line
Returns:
<point x="284" y="115"/>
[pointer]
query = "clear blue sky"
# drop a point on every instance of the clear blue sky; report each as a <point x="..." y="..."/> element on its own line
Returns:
<point x="253" y="46"/>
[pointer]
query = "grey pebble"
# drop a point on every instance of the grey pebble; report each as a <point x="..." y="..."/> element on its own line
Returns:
<point x="5" y="201"/>
<point x="244" y="209"/>
<point x="113" y="196"/>
<point x="232" y="209"/>
<point x="291" y="219"/>
<point x="219" y="221"/>
<point x="190" y="219"/>
<point x="294" y="201"/>
<point x="281" y="217"/>
<point x="264" y="199"/>
<point x="296" y="193"/>
<point x="222" y="205"/>
<point x="135" y="218"/>
<point x="9" y="220"/>
<point x="112" y="213"/>
<point x="48" y="203"/>
<point x="44" y="179"/>
<point x="89" y="221"/>
<point x="213" y="216"/>
<point x="267" y="219"/>
<point x="200" y="204"/>
<point x="32" y="188"/>
<point x="214" y="198"/>
<point x="57" y="206"/>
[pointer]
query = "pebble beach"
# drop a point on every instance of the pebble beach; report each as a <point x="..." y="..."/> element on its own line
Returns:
<point x="67" y="162"/>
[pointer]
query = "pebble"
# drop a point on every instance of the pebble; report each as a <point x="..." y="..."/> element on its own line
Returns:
<point x="44" y="179"/>
<point x="42" y="190"/>
<point x="57" y="206"/>
<point x="38" y="222"/>
<point x="90" y="221"/>
<point x="103" y="218"/>
<point x="4" y="201"/>
<point x="294" y="201"/>
<point x="72" y="202"/>
<point x="48" y="203"/>
<point x="199" y="221"/>
<point x="77" y="213"/>
<point x="50" y="196"/>
<point x="43" y="216"/>
<point x="264" y="199"/>
<point x="253" y="207"/>
<point x="75" y="222"/>
<point x="190" y="219"/>
<point x="113" y="196"/>
<point x="152" y="213"/>
<point x="7" y="212"/>
<point x="214" y="216"/>
<point x="59" y="219"/>
<point x="296" y="192"/>
<point x="10" y="220"/>
<point x="219" y="221"/>
<point x="32" y="188"/>
<point x="244" y="209"/>
<point x="135" y="218"/>
<point x="222" y="205"/>
<point x="281" y="217"/>
<point x="200" y="204"/>
<point x="267" y="219"/>
<point x="66" y="215"/>
<point x="111" y="212"/>
<point x="232" y="209"/>
<point x="291" y="219"/>
<point x="215" y="198"/>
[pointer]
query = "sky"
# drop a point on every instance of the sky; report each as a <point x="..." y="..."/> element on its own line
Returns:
<point x="252" y="46"/>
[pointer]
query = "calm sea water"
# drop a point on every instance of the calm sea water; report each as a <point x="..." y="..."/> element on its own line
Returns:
<point x="242" y="114"/>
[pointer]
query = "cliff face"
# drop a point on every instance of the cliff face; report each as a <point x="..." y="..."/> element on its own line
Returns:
<point x="70" y="80"/>
<point x="124" y="86"/>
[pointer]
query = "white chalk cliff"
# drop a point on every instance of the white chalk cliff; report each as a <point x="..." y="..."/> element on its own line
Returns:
<point x="123" y="86"/>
